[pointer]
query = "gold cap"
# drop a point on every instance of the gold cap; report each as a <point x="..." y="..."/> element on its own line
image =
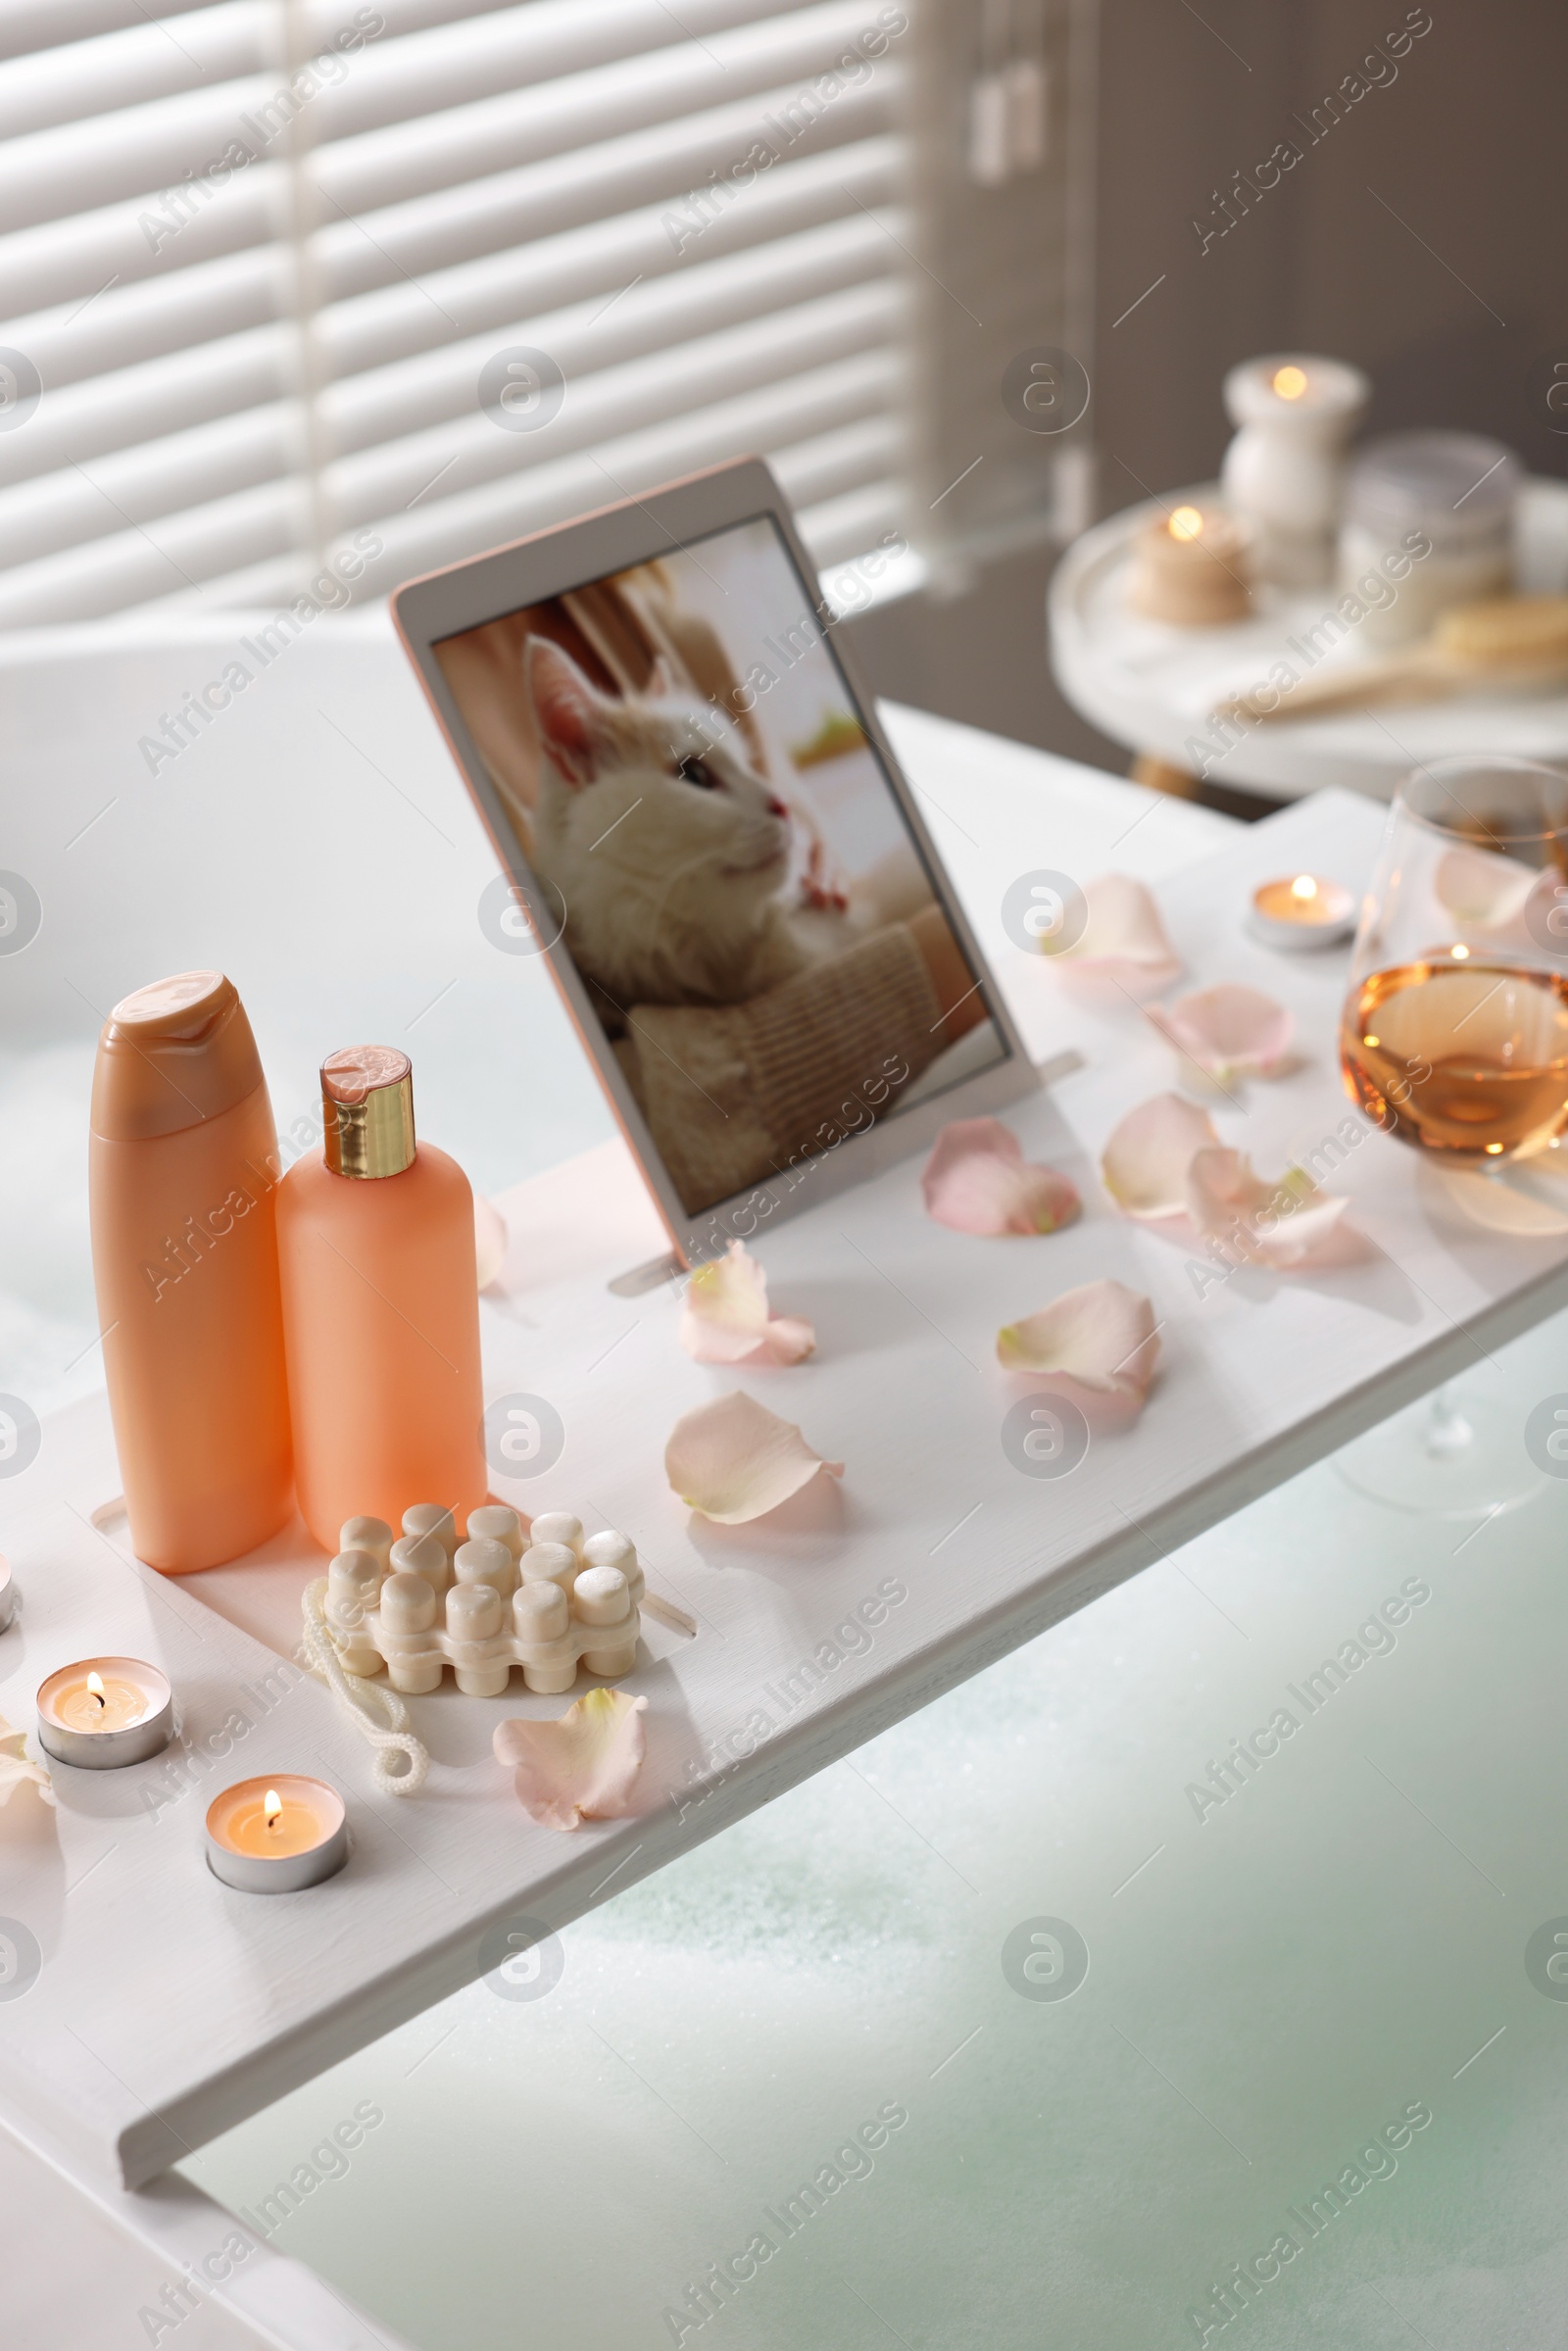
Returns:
<point x="367" y="1109"/>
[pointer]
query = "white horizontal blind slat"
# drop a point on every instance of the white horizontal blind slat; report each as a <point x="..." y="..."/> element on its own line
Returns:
<point x="848" y="525"/>
<point x="140" y="485"/>
<point x="144" y="63"/>
<point x="132" y="564"/>
<point x="844" y="462"/>
<point x="136" y="566"/>
<point x="838" y="528"/>
<point x="87" y="361"/>
<point x="658" y="165"/>
<point x="102" y="406"/>
<point x="114" y="157"/>
<point x="82" y="201"/>
<point x="598" y="258"/>
<point x="372" y="485"/>
<point x="768" y="418"/>
<point x="574" y="119"/>
<point x="746" y="293"/>
<point x="51" y="271"/>
<point x="89" y="294"/>
<point x="545" y="85"/>
<point x="379" y="482"/>
<point x="29" y="26"/>
<point x="386" y="414"/>
<point x="567" y="34"/>
<point x="470" y="178"/>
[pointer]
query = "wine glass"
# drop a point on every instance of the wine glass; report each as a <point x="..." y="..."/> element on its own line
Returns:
<point x="1454" y="1040"/>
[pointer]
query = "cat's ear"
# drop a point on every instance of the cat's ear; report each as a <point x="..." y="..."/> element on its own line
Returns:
<point x="568" y="709"/>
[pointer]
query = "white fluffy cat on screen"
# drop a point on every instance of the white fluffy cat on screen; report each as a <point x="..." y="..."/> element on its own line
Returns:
<point x="667" y="848"/>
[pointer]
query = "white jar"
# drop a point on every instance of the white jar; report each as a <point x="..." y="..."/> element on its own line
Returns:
<point x="1453" y="490"/>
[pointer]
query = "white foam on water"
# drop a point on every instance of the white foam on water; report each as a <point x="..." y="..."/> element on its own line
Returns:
<point x="1270" y="1984"/>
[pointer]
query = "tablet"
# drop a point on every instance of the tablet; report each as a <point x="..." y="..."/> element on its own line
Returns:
<point x="702" y="830"/>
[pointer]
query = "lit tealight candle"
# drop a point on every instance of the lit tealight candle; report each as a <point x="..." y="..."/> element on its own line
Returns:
<point x="1302" y="912"/>
<point x="276" y="1835"/>
<point x="1191" y="566"/>
<point x="104" y="1712"/>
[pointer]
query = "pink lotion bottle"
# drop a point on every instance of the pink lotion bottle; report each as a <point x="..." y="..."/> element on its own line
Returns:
<point x="182" y="1158"/>
<point x="380" y="1309"/>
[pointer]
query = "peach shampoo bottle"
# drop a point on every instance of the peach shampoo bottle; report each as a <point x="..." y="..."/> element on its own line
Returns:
<point x="182" y="1158"/>
<point x="380" y="1309"/>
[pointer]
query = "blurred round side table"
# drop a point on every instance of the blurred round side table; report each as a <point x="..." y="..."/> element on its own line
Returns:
<point x="1153" y="687"/>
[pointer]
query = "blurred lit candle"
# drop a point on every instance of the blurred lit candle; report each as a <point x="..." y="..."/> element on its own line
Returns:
<point x="1191" y="568"/>
<point x="1283" y="469"/>
<point x="276" y="1835"/>
<point x="104" y="1712"/>
<point x="1302" y="911"/>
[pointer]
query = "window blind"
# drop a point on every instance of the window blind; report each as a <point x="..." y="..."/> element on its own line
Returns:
<point x="282" y="279"/>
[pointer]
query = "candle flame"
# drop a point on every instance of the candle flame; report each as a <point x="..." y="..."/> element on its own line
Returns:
<point x="1290" y="382"/>
<point x="271" y="1807"/>
<point x="1459" y="953"/>
<point x="1303" y="886"/>
<point x="95" y="1683"/>
<point x="1186" y="522"/>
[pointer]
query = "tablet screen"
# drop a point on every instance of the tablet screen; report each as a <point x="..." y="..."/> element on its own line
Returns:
<point x="707" y="825"/>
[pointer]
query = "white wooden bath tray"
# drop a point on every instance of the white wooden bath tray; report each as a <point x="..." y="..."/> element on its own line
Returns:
<point x="167" y="2007"/>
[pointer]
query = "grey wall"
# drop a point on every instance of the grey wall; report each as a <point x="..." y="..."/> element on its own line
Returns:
<point x="1457" y="309"/>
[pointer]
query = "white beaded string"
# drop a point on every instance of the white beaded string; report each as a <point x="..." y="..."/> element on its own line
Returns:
<point x="376" y="1712"/>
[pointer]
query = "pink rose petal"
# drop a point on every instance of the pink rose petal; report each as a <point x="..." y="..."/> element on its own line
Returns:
<point x="1228" y="1031"/>
<point x="733" y="1459"/>
<point x="1146" y="1160"/>
<point x="490" y="1239"/>
<point x="1101" y="1339"/>
<point x="16" y="1768"/>
<point x="1481" y="891"/>
<point x="1283" y="1224"/>
<point x="581" y="1767"/>
<point x="1122" y="949"/>
<point x="725" y="1317"/>
<point x="976" y="1181"/>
